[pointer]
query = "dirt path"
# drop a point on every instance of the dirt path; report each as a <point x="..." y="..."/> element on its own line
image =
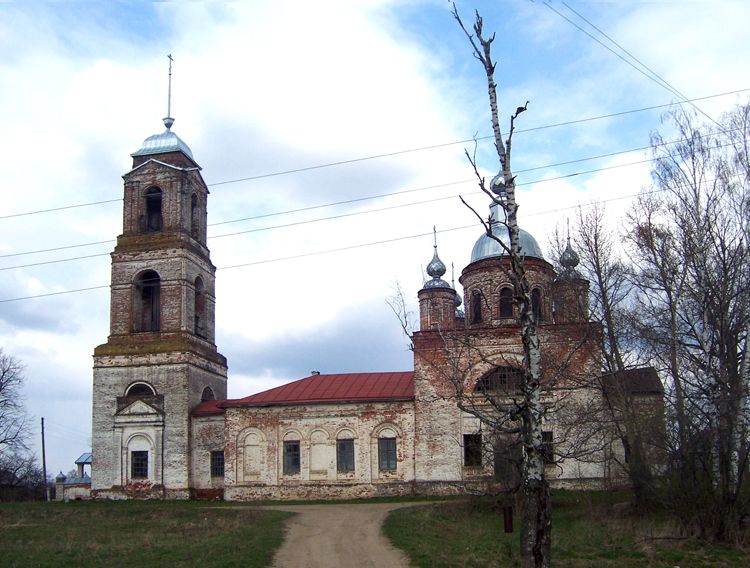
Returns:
<point x="333" y="536"/>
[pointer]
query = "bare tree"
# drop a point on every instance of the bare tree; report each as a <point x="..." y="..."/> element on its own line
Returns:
<point x="638" y="429"/>
<point x="690" y="248"/>
<point x="536" y="520"/>
<point x="13" y="422"/>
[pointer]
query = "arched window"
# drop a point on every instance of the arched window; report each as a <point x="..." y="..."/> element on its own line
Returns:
<point x="536" y="304"/>
<point x="147" y="308"/>
<point x="476" y="306"/>
<point x="153" y="210"/>
<point x="140" y="389"/>
<point x="506" y="303"/>
<point x="194" y="216"/>
<point x="207" y="394"/>
<point x="200" y="308"/>
<point x="502" y="379"/>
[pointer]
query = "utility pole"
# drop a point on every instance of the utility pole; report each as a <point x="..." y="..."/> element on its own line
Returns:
<point x="44" y="464"/>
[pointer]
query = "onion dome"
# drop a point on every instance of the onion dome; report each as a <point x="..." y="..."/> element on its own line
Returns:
<point x="163" y="143"/>
<point x="436" y="269"/>
<point x="569" y="259"/>
<point x="488" y="247"/>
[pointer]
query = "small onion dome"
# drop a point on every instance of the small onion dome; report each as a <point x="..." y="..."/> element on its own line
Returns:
<point x="488" y="247"/>
<point x="569" y="259"/>
<point x="60" y="477"/>
<point x="165" y="142"/>
<point x="436" y="269"/>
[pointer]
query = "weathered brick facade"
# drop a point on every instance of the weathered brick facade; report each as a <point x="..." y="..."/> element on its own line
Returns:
<point x="163" y="427"/>
<point x="160" y="359"/>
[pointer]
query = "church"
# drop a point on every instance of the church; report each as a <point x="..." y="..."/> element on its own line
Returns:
<point x="163" y="426"/>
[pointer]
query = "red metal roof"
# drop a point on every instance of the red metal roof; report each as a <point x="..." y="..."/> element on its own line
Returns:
<point x="209" y="408"/>
<point x="344" y="387"/>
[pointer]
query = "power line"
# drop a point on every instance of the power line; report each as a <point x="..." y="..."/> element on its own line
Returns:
<point x="399" y="206"/>
<point x="349" y="201"/>
<point x="648" y="73"/>
<point x="328" y="251"/>
<point x="396" y="153"/>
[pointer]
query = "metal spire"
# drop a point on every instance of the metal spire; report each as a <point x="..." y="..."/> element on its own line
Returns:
<point x="168" y="120"/>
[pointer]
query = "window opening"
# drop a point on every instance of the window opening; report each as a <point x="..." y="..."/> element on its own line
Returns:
<point x="387" y="454"/>
<point x="199" y="308"/>
<point x="548" y="447"/>
<point x="345" y="456"/>
<point x="194" y="216"/>
<point x="472" y="450"/>
<point x="217" y="463"/>
<point x="140" y="389"/>
<point x="476" y="306"/>
<point x="536" y="304"/>
<point x="207" y="394"/>
<point x="153" y="210"/>
<point x="502" y="379"/>
<point x="139" y="464"/>
<point x="291" y="457"/>
<point x="506" y="303"/>
<point x="148" y="291"/>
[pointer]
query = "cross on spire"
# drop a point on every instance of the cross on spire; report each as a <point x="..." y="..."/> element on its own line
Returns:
<point x="168" y="120"/>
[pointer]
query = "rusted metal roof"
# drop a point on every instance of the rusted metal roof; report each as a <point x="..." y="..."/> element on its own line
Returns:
<point x="644" y="380"/>
<point x="335" y="388"/>
<point x="209" y="408"/>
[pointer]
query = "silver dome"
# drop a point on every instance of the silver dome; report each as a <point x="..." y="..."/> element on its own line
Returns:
<point x="165" y="142"/>
<point x="487" y="247"/>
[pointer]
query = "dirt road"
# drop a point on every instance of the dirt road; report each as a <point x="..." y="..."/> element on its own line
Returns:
<point x="333" y="536"/>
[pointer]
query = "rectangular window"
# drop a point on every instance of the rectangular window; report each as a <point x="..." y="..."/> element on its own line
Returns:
<point x="139" y="465"/>
<point x="548" y="448"/>
<point x="217" y="463"/>
<point x="291" y="457"/>
<point x="472" y="450"/>
<point x="387" y="454"/>
<point x="345" y="456"/>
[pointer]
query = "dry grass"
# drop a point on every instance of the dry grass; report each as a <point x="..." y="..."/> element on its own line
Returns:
<point x="589" y="530"/>
<point x="145" y="533"/>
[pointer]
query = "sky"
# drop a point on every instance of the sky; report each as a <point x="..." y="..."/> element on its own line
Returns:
<point x="332" y="136"/>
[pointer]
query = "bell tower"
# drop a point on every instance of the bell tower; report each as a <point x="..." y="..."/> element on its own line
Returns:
<point x="160" y="359"/>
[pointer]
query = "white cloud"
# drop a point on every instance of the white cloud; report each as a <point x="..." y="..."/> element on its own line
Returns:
<point x="269" y="87"/>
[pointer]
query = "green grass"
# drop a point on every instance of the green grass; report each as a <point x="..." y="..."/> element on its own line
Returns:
<point x="586" y="532"/>
<point x="137" y="533"/>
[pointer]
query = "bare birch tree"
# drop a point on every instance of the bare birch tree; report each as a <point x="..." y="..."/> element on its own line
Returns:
<point x="690" y="247"/>
<point x="536" y="514"/>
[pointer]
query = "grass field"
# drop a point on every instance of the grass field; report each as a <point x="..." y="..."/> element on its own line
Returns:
<point x="587" y="532"/>
<point x="137" y="533"/>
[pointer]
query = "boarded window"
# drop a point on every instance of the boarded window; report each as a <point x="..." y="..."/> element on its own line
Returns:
<point x="252" y="456"/>
<point x="217" y="463"/>
<point x="387" y="454"/>
<point x="291" y="457"/>
<point x="472" y="450"/>
<point x="139" y="464"/>
<point x="507" y="458"/>
<point x="344" y="456"/>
